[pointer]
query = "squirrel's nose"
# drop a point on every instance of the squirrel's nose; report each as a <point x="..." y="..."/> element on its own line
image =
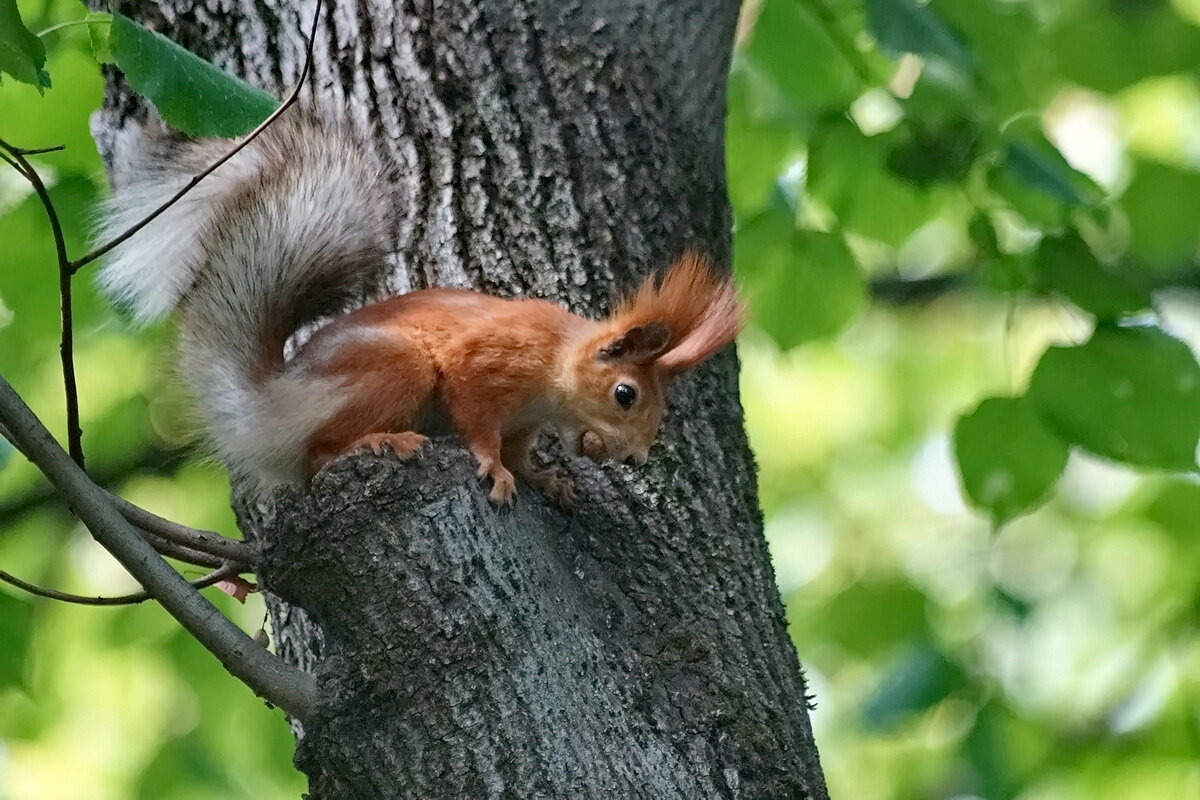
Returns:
<point x="637" y="459"/>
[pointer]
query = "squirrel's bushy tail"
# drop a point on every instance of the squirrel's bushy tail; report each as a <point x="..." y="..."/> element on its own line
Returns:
<point x="290" y="229"/>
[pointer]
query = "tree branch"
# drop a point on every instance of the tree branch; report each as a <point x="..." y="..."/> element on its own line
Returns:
<point x="66" y="345"/>
<point x="236" y="551"/>
<point x="217" y="575"/>
<point x="915" y="291"/>
<point x="268" y="676"/>
<point x="200" y="547"/>
<point x="151" y="459"/>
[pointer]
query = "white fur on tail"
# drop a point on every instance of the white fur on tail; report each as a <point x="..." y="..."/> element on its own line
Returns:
<point x="289" y="229"/>
<point x="150" y="272"/>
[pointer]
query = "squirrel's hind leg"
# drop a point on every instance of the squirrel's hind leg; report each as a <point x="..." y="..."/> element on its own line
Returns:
<point x="389" y="383"/>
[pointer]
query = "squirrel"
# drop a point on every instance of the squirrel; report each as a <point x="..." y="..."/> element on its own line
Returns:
<point x="293" y="228"/>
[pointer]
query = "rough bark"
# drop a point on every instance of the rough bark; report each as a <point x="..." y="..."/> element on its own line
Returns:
<point x="638" y="647"/>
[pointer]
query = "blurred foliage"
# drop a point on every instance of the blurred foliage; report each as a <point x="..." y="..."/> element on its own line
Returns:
<point x="1023" y="175"/>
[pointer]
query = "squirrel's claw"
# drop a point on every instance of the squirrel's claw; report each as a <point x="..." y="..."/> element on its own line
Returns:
<point x="402" y="445"/>
<point x="504" y="485"/>
<point x="556" y="485"/>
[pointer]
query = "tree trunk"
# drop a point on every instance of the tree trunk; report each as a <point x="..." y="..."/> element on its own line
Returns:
<point x="638" y="647"/>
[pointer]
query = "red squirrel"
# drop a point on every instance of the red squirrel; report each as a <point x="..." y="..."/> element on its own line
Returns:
<point x="297" y="223"/>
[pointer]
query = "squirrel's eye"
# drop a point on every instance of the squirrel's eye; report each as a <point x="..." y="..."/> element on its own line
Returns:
<point x="625" y="395"/>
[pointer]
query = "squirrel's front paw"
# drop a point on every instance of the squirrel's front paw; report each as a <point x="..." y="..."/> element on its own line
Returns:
<point x="555" y="484"/>
<point x="504" y="485"/>
<point x="403" y="445"/>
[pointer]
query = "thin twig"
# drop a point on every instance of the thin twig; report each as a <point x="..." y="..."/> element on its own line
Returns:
<point x="217" y="575"/>
<point x="197" y="558"/>
<point x="238" y="551"/>
<point x="120" y="238"/>
<point x="12" y="164"/>
<point x="66" y="345"/>
<point x="73" y="23"/>
<point x="37" y="151"/>
<point x="200" y="547"/>
<point x="282" y="684"/>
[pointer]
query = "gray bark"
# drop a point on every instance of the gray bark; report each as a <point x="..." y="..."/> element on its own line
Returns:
<point x="638" y="647"/>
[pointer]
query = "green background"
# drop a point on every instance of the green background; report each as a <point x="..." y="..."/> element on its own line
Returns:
<point x="988" y="601"/>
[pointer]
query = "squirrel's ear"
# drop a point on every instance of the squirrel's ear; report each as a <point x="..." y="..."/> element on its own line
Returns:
<point x="640" y="344"/>
<point x="717" y="326"/>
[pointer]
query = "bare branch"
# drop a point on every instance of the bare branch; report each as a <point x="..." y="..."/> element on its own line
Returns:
<point x="271" y="678"/>
<point x="67" y="342"/>
<point x="120" y="238"/>
<point x="37" y="151"/>
<point x="11" y="163"/>
<point x="217" y="575"/>
<point x="200" y="547"/>
<point x="187" y="555"/>
<point x="237" y="551"/>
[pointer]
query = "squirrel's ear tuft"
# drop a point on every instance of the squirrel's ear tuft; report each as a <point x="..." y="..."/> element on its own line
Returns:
<point x="716" y="327"/>
<point x="640" y="344"/>
<point x="680" y="320"/>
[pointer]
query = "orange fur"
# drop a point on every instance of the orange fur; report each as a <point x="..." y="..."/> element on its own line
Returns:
<point x="701" y="312"/>
<point x="502" y="371"/>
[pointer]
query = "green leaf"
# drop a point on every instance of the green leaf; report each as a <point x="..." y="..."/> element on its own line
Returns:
<point x="1163" y="205"/>
<point x="793" y="49"/>
<point x="1005" y="43"/>
<point x="1153" y="37"/>
<point x="936" y="154"/>
<point x="16" y="624"/>
<point x="871" y="617"/>
<point x="1177" y="511"/>
<point x="1007" y="458"/>
<point x="847" y="172"/>
<point x="918" y="680"/>
<point x="756" y="149"/>
<point x="22" y="54"/>
<point x="1067" y="265"/>
<point x="1129" y="394"/>
<point x="191" y="94"/>
<point x="100" y="35"/>
<point x="906" y="26"/>
<point x="1039" y="165"/>
<point x="62" y="118"/>
<point x="802" y="285"/>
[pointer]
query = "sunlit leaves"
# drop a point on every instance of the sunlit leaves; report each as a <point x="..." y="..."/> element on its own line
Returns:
<point x="16" y="621"/>
<point x="907" y="26"/>
<point x="190" y="93"/>
<point x="27" y="274"/>
<point x="1151" y="38"/>
<point x="801" y="284"/>
<point x="917" y="680"/>
<point x="757" y="146"/>
<point x="795" y="50"/>
<point x="22" y="54"/>
<point x="30" y="121"/>
<point x="871" y="619"/>
<point x="1163" y="206"/>
<point x="1033" y="161"/>
<point x="1007" y="458"/>
<point x="1129" y="394"/>
<point x="847" y="173"/>
<point x="936" y="153"/>
<point x="100" y="36"/>
<point x="1067" y="265"/>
